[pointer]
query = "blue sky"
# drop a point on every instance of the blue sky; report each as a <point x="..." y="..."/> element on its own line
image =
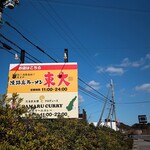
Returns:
<point x="108" y="39"/>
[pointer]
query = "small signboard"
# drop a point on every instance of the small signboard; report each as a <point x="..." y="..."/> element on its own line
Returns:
<point x="142" y="119"/>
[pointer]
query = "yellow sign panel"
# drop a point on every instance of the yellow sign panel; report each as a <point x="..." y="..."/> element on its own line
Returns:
<point x="50" y="88"/>
<point x="42" y="78"/>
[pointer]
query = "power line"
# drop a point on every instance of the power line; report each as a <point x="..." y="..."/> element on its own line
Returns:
<point x="96" y="5"/>
<point x="128" y="103"/>
<point x="56" y="30"/>
<point x="40" y="61"/>
<point x="53" y="26"/>
<point x="55" y="20"/>
<point x="46" y="54"/>
<point x="14" y="53"/>
<point x="92" y="95"/>
<point x="94" y="89"/>
<point x="40" y="49"/>
<point x="60" y="26"/>
<point x="7" y="47"/>
<point x="72" y="37"/>
<point x="83" y="89"/>
<point x="29" y="33"/>
<point x="17" y="47"/>
<point x="89" y="93"/>
<point x="75" y="39"/>
<point x="28" y="41"/>
<point x="7" y="50"/>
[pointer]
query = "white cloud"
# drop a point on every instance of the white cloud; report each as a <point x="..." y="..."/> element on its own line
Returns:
<point x="132" y="95"/>
<point x="81" y="99"/>
<point x="96" y="54"/>
<point x="119" y="69"/>
<point x="147" y="56"/>
<point x="115" y="70"/>
<point x="111" y="70"/>
<point x="146" y="67"/>
<point x="144" y="87"/>
<point x="143" y="62"/>
<point x="125" y="62"/>
<point x="135" y="64"/>
<point x="100" y="69"/>
<point x="138" y="63"/>
<point x="95" y="85"/>
<point x="108" y="85"/>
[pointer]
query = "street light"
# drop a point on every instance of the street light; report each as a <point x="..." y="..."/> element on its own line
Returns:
<point x="16" y="56"/>
<point x="66" y="55"/>
<point x="10" y="3"/>
<point x="7" y="3"/>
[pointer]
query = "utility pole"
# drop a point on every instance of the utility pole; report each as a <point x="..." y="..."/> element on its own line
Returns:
<point x="112" y="110"/>
<point x="100" y="120"/>
<point x="22" y="56"/>
<point x="1" y="10"/>
<point x="109" y="113"/>
<point x="113" y="101"/>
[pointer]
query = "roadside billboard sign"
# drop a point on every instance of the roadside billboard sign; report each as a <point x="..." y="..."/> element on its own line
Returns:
<point x="142" y="119"/>
<point x="50" y="88"/>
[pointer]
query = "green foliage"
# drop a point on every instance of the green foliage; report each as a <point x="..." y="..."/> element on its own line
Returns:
<point x="141" y="126"/>
<point x="17" y="133"/>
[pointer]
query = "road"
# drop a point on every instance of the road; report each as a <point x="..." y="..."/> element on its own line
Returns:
<point x="141" y="142"/>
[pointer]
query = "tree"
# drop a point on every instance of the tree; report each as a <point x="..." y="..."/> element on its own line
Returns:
<point x="17" y="132"/>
